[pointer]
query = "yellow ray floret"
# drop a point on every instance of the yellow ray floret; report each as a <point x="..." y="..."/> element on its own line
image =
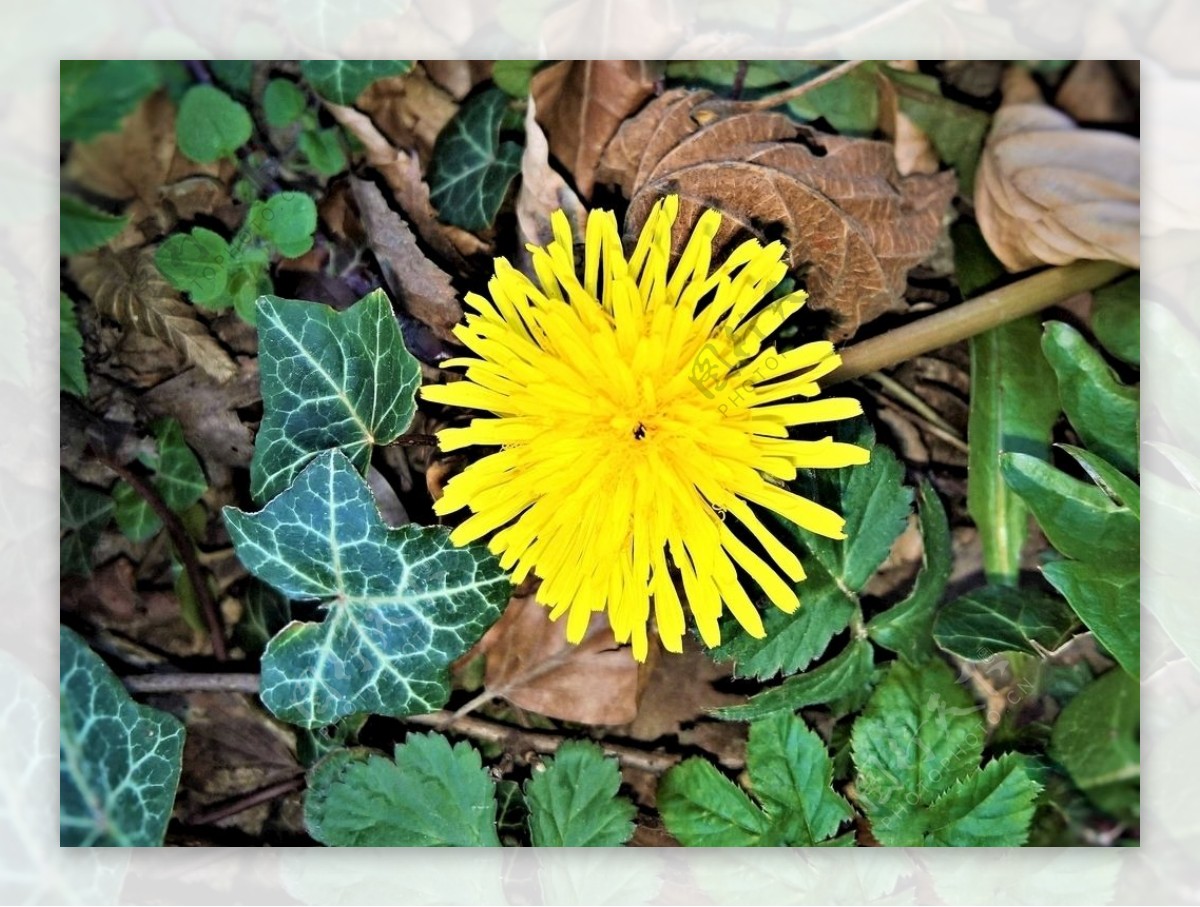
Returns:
<point x="636" y="409"/>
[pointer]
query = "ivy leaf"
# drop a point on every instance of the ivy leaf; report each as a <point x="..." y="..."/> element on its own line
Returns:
<point x="82" y="515"/>
<point x="1099" y="407"/>
<point x="400" y="604"/>
<point x="95" y="95"/>
<point x="82" y="228"/>
<point x="135" y="518"/>
<point x="342" y="81"/>
<point x="72" y="377"/>
<point x="990" y="808"/>
<point x="907" y="628"/>
<point x="1096" y="740"/>
<point x="1107" y="600"/>
<point x="1079" y="519"/>
<point x="119" y="761"/>
<point x="287" y="220"/>
<point x="211" y="125"/>
<point x="574" y="801"/>
<point x="178" y="477"/>
<point x="432" y="795"/>
<point x="790" y="777"/>
<point x="197" y="263"/>
<point x="997" y="619"/>
<point x="283" y="102"/>
<point x="329" y="380"/>
<point x="1116" y="318"/>
<point x="471" y="168"/>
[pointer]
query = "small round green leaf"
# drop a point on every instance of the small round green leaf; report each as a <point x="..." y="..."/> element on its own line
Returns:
<point x="211" y="125"/>
<point x="283" y="102"/>
<point x="197" y="263"/>
<point x="287" y="220"/>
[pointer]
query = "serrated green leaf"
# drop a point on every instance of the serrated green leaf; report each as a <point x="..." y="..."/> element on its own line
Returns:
<point x="1107" y="600"/>
<point x="843" y="675"/>
<point x="1100" y="408"/>
<point x="82" y="515"/>
<point x="1114" y="483"/>
<point x="850" y="103"/>
<point x="995" y="619"/>
<point x="1079" y="519"/>
<point x="72" y="377"/>
<point x="283" y="102"/>
<point x="95" y="95"/>
<point x="197" y="263"/>
<point x="329" y="380"/>
<point x="287" y="220"/>
<point x="991" y="808"/>
<point x="921" y="732"/>
<point x="432" y="795"/>
<point x="322" y="148"/>
<point x="82" y="228"/>
<point x="1014" y="404"/>
<point x="907" y="628"/>
<point x="1096" y="739"/>
<point x="471" y="168"/>
<point x="210" y="124"/>
<point x="790" y="776"/>
<point x="573" y="802"/>
<point x="400" y="604"/>
<point x="513" y="76"/>
<point x="119" y="762"/>
<point x="342" y="81"/>
<point x="1116" y="318"/>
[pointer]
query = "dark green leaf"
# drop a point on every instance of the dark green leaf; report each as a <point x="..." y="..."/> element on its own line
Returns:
<point x="329" y="380"/>
<point x="513" y="76"/>
<point x="287" y="220"/>
<point x="82" y="515"/>
<point x="998" y="619"/>
<point x="235" y="74"/>
<point x="843" y="675"/>
<point x="432" y="795"/>
<point x="574" y="801"/>
<point x="313" y="745"/>
<point x="322" y="148"/>
<point x="264" y="613"/>
<point x="1114" y="483"/>
<point x="179" y="477"/>
<point x="1096" y="738"/>
<point x="703" y="808"/>
<point x="907" y="628"/>
<point x="1116" y="318"/>
<point x="1102" y="409"/>
<point x="119" y="761"/>
<point x="1107" y="601"/>
<point x="342" y="81"/>
<point x="95" y="95"/>
<point x="991" y="808"/>
<point x="850" y="103"/>
<point x="72" y="377"/>
<point x="400" y="604"/>
<point x="723" y="73"/>
<point x="211" y="125"/>
<point x="1079" y="519"/>
<point x="135" y="517"/>
<point x="197" y="263"/>
<point x="471" y="168"/>
<point x="283" y="102"/>
<point x="82" y="228"/>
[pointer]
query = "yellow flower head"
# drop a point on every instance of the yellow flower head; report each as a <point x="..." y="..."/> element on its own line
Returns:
<point x="635" y="411"/>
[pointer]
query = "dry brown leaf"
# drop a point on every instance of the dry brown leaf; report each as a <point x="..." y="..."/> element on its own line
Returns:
<point x="410" y="110"/>
<point x="582" y="103"/>
<point x="422" y="287"/>
<point x="127" y="287"/>
<point x="542" y="190"/>
<point x="680" y="692"/>
<point x="911" y="146"/>
<point x="207" y="412"/>
<point x="1092" y="92"/>
<point x="401" y="170"/>
<point x="531" y="665"/>
<point x="848" y="217"/>
<point x="1048" y="192"/>
<point x="458" y="77"/>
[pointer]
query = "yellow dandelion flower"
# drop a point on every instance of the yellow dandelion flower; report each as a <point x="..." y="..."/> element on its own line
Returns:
<point x="635" y="411"/>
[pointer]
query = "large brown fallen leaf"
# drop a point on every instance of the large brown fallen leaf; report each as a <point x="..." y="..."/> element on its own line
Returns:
<point x="1048" y="192"/>
<point x="208" y="412"/>
<point x="581" y="103"/>
<point x="422" y="287"/>
<point x="531" y="665"/>
<point x="542" y="190"/>
<point x="849" y="219"/>
<point x="410" y="110"/>
<point x="127" y="287"/>
<point x="458" y="77"/>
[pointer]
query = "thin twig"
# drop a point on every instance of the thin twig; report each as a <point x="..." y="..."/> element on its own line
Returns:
<point x="517" y="741"/>
<point x="901" y="394"/>
<point x="796" y="91"/>
<point x="184" y="547"/>
<point x="974" y="317"/>
<point x="415" y="441"/>
<point x="243" y="802"/>
<point x="192" y="683"/>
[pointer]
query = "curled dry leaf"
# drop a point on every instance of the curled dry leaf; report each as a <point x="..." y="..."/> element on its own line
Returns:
<point x="912" y="147"/>
<point x="1048" y="192"/>
<point x="542" y="190"/>
<point x="208" y="412"/>
<point x="531" y="665"/>
<point x="846" y="214"/>
<point x="410" y="110"/>
<point x="458" y="77"/>
<point x="581" y="103"/>
<point x="422" y="287"/>
<point x="127" y="287"/>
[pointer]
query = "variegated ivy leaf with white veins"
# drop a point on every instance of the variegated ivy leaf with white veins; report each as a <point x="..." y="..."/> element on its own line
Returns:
<point x="330" y="380"/>
<point x="401" y="604"/>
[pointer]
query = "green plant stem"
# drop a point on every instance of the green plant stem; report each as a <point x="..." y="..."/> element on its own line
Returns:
<point x="974" y="317"/>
